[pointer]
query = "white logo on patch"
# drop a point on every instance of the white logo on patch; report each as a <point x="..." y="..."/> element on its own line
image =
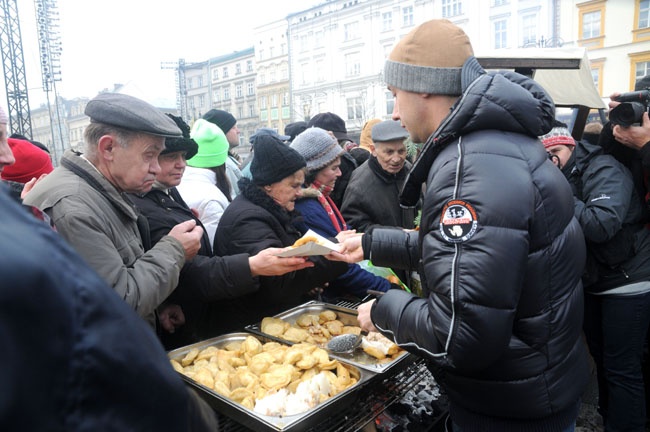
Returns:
<point x="458" y="221"/>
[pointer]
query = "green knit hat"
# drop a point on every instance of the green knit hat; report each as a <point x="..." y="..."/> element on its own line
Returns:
<point x="213" y="145"/>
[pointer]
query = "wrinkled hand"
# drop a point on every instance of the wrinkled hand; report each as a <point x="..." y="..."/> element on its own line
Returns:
<point x="612" y="103"/>
<point x="189" y="234"/>
<point x="30" y="185"/>
<point x="633" y="136"/>
<point x="267" y="263"/>
<point x="171" y="317"/>
<point x="350" y="250"/>
<point x="364" y="316"/>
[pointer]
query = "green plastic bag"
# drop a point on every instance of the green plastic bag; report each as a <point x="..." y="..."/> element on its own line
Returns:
<point x="383" y="272"/>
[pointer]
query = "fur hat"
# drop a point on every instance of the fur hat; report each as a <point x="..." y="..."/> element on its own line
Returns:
<point x="273" y="160"/>
<point x="365" y="140"/>
<point x="429" y="59"/>
<point x="213" y="145"/>
<point x="186" y="144"/>
<point x="330" y="122"/>
<point x="221" y="118"/>
<point x="559" y="135"/>
<point x="31" y="162"/>
<point x="318" y="147"/>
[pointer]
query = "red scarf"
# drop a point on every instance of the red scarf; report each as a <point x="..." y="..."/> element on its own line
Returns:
<point x="329" y="206"/>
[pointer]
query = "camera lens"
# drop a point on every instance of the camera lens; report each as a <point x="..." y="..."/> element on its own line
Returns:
<point x="627" y="113"/>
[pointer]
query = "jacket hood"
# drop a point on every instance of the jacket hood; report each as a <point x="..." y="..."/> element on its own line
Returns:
<point x="505" y="101"/>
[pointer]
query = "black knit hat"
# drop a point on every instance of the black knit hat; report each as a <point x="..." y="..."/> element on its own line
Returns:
<point x="186" y="144"/>
<point x="221" y="118"/>
<point x="273" y="160"/>
<point x="295" y="129"/>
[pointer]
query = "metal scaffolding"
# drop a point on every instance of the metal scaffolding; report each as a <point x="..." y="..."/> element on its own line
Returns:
<point x="13" y="63"/>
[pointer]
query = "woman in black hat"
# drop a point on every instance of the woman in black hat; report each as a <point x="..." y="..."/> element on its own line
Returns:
<point x="262" y="216"/>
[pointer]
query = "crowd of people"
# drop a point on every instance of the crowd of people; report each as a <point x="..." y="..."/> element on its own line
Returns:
<point x="524" y="239"/>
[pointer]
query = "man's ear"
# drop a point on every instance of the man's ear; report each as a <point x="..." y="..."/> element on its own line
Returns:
<point x="373" y="150"/>
<point x="106" y="147"/>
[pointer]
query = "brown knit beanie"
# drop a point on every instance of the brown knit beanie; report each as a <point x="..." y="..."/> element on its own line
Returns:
<point x="429" y="59"/>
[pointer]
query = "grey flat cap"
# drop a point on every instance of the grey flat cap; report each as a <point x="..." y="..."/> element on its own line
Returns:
<point x="388" y="130"/>
<point x="130" y="113"/>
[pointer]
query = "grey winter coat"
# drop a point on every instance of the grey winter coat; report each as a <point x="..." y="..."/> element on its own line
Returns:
<point x="102" y="227"/>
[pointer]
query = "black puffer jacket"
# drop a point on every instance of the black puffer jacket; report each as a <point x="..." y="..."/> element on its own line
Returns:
<point x="501" y="260"/>
<point x="612" y="216"/>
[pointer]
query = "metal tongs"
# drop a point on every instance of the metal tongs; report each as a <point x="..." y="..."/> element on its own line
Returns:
<point x="347" y="343"/>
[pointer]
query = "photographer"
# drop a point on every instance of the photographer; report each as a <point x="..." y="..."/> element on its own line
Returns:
<point x="617" y="274"/>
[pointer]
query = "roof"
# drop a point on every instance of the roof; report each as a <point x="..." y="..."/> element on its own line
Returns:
<point x="564" y="73"/>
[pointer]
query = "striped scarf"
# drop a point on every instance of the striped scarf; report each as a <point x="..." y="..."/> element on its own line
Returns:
<point x="329" y="206"/>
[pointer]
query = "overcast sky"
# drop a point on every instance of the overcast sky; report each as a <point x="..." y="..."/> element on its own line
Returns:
<point x="125" y="41"/>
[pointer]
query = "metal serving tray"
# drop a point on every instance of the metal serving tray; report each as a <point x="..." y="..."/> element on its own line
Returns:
<point x="252" y="419"/>
<point x="348" y="317"/>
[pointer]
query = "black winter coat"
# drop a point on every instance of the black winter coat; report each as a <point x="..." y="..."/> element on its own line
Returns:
<point x="206" y="280"/>
<point x="254" y="222"/>
<point x="612" y="216"/>
<point x="500" y="256"/>
<point x="372" y="198"/>
<point x="77" y="357"/>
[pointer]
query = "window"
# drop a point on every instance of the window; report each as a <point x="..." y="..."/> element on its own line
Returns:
<point x="529" y="29"/>
<point x="320" y="71"/>
<point x="451" y="8"/>
<point x="215" y="74"/>
<point x="640" y="66"/>
<point x="200" y="80"/>
<point x="249" y="65"/>
<point x="225" y="72"/>
<point x="201" y="101"/>
<point x="305" y="72"/>
<point x="271" y="52"/>
<point x="355" y="109"/>
<point x="352" y="64"/>
<point x="261" y="54"/>
<point x="597" y="73"/>
<point x="304" y="43"/>
<point x="272" y="79"/>
<point x="285" y="99"/>
<point x="284" y="73"/>
<point x="500" y="34"/>
<point x="216" y="95"/>
<point x="319" y="40"/>
<point x="250" y="88"/>
<point x="274" y="100"/>
<point x="263" y="102"/>
<point x="387" y="21"/>
<point x="390" y="103"/>
<point x="262" y="78"/>
<point x="251" y="110"/>
<point x="239" y="91"/>
<point x="226" y="93"/>
<point x="407" y="16"/>
<point x="283" y="48"/>
<point x="240" y="112"/>
<point x="642" y="20"/>
<point x="591" y="26"/>
<point x="351" y="30"/>
<point x="237" y="69"/>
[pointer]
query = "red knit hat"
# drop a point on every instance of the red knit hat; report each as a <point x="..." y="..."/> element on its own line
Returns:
<point x="31" y="162"/>
<point x="559" y="135"/>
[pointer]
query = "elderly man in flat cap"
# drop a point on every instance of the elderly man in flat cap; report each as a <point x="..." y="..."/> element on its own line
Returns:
<point x="372" y="196"/>
<point x="85" y="199"/>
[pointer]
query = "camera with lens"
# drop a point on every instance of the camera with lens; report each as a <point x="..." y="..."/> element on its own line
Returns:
<point x="631" y="108"/>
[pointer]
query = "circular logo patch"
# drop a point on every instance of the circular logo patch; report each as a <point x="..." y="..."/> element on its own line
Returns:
<point x="458" y="221"/>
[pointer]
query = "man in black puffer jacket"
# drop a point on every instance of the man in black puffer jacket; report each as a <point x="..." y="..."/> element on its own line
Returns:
<point x="499" y="251"/>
